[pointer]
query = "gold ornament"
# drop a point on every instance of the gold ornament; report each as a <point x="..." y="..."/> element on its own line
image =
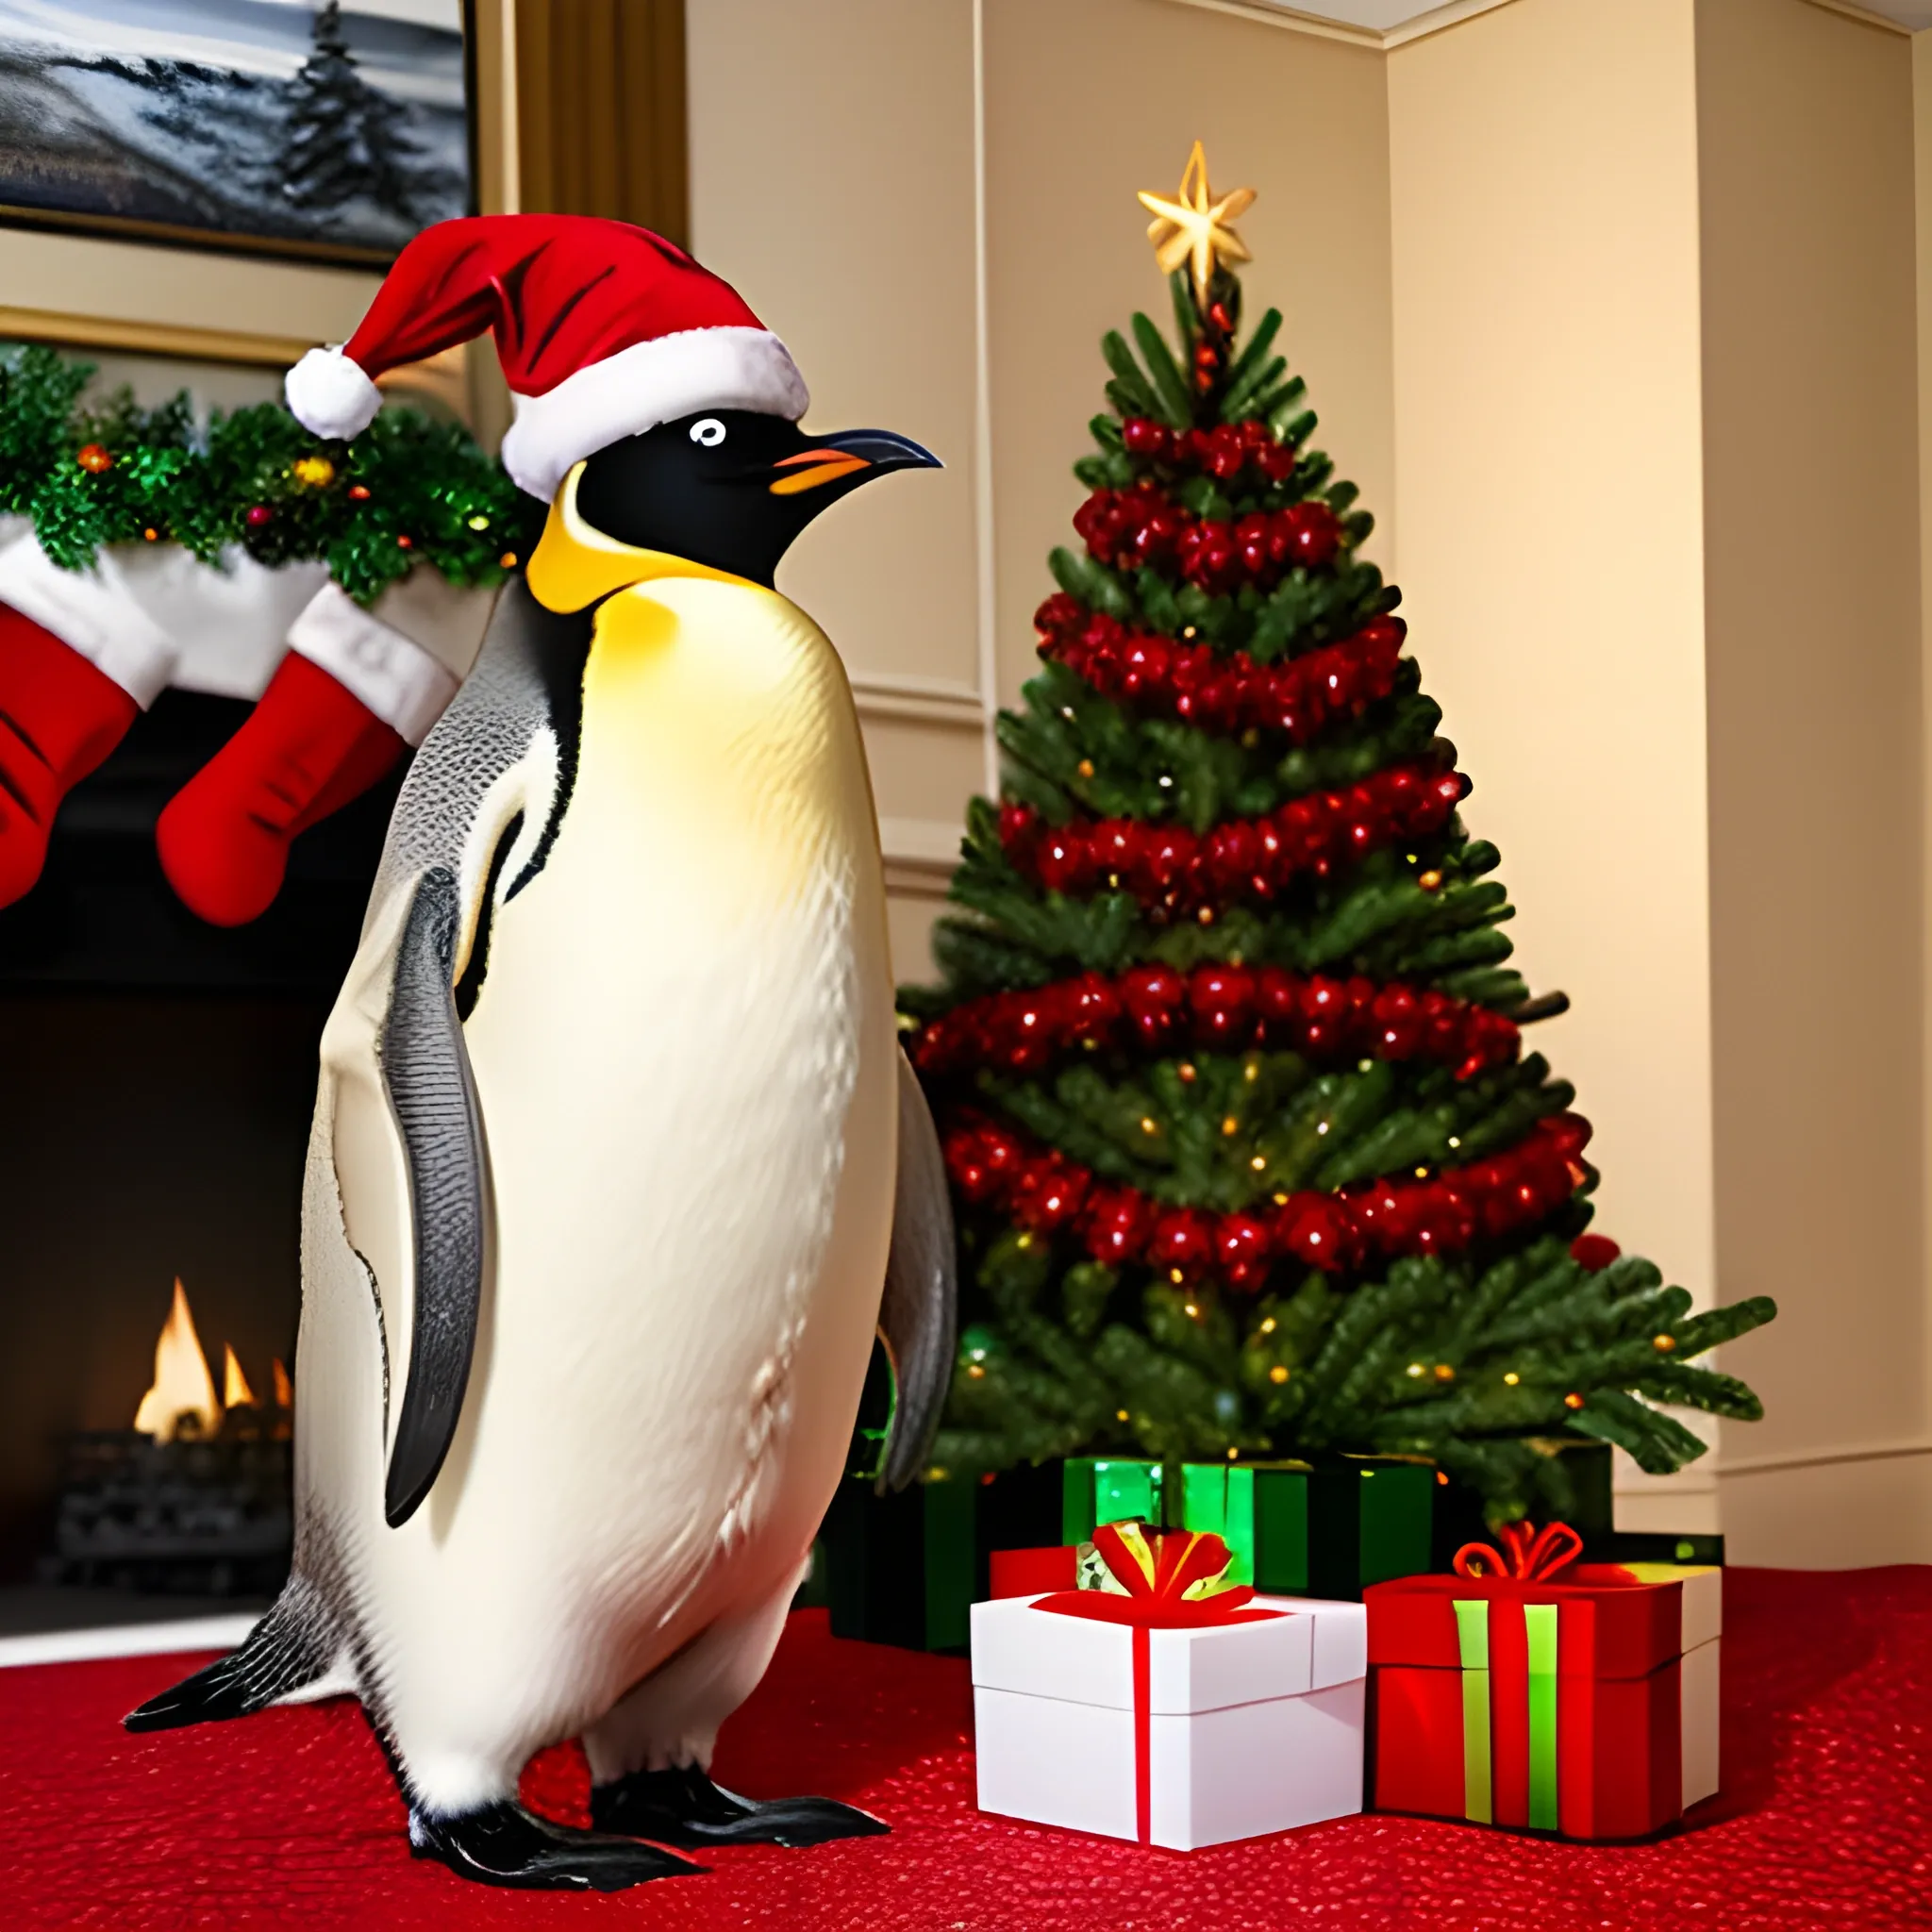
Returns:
<point x="1193" y="227"/>
<point x="314" y="473"/>
<point x="1663" y="1343"/>
<point x="1573" y="1400"/>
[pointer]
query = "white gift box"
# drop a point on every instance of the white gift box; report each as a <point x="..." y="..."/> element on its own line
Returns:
<point x="1240" y="1728"/>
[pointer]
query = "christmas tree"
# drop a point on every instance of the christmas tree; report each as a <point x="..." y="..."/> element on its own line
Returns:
<point x="1249" y="1156"/>
<point x="344" y="142"/>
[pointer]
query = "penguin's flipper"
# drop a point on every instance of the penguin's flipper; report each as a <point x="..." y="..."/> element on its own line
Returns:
<point x="282" y="1653"/>
<point x="425" y="1067"/>
<point x="916" y="1314"/>
<point x="504" y="1845"/>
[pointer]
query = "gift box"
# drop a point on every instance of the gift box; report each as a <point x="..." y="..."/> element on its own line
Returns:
<point x="1535" y="1691"/>
<point x="1324" y="1529"/>
<point x="905" y="1568"/>
<point x="1108" y="1489"/>
<point x="1150" y="1717"/>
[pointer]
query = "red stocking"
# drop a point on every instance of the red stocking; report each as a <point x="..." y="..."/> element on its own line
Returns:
<point x="307" y="749"/>
<point x="59" y="717"/>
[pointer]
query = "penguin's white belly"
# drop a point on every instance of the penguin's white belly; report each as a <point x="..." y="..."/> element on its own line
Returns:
<point x="683" y="1054"/>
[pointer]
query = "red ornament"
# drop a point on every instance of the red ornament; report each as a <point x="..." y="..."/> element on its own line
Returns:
<point x="259" y="514"/>
<point x="1181" y="1239"/>
<point x="1594" y="1252"/>
<point x="359" y="493"/>
<point x="1319" y="1229"/>
<point x="1223" y="998"/>
<point x="1240" y="1250"/>
<point x="1064" y="863"/>
<point x="1049" y="1192"/>
<point x="94" y="459"/>
<point x="1115" y="1225"/>
<point x="1399" y="1024"/>
<point x="1313" y="534"/>
<point x="1144" y="437"/>
<point x="1154" y="996"/>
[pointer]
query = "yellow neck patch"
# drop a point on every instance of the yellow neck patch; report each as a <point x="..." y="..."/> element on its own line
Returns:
<point x="574" y="565"/>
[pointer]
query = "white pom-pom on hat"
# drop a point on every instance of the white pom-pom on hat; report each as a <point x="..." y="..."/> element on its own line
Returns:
<point x="331" y="394"/>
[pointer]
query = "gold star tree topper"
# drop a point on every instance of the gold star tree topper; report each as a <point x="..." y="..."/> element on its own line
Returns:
<point x="1194" y="227"/>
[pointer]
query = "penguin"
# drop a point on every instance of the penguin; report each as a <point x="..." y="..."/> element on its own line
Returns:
<point x="617" y="1170"/>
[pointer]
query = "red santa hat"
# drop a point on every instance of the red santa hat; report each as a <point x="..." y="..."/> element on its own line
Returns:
<point x="603" y="329"/>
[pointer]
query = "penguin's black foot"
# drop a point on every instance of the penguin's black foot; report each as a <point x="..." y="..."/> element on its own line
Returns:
<point x="504" y="1845"/>
<point x="683" y="1806"/>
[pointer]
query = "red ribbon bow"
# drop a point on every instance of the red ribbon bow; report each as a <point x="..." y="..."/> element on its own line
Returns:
<point x="1528" y="1556"/>
<point x="1157" y="1572"/>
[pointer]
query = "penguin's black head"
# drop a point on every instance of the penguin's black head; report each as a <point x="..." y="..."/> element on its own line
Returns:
<point x="730" y="488"/>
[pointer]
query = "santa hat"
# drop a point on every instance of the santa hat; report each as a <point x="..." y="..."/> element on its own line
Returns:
<point x="603" y="330"/>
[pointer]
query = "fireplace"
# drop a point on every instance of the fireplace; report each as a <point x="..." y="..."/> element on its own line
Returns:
<point x="160" y="1077"/>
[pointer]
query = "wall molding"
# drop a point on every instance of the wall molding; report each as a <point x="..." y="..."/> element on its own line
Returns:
<point x="919" y="700"/>
<point x="1864" y="14"/>
<point x="1382" y="39"/>
<point x="1820" y="1459"/>
<point x="151" y="338"/>
<point x="1439" y="19"/>
<point x="926" y="846"/>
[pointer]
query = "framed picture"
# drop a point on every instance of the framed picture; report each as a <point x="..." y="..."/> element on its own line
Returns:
<point x="328" y="129"/>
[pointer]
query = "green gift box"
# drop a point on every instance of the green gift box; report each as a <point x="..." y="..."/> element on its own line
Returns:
<point x="1327" y="1528"/>
<point x="1108" y="1488"/>
<point x="906" y="1568"/>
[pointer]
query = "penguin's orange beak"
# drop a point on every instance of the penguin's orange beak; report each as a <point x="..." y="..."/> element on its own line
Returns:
<point x="831" y="458"/>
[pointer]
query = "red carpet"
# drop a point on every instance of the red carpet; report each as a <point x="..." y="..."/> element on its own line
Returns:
<point x="288" y="1820"/>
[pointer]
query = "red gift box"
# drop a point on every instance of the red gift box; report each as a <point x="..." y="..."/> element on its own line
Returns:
<point x="1032" y="1572"/>
<point x="1553" y="1705"/>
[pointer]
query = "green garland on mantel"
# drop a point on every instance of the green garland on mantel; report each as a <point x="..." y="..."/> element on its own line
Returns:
<point x="100" y="472"/>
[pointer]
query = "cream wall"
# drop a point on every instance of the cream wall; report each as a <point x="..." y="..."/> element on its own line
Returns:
<point x="1658" y="513"/>
<point x="1549" y="475"/>
<point x="182" y="288"/>
<point x="1812" y="665"/>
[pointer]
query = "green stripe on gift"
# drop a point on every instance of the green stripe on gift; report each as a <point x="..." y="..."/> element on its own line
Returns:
<point x="1473" y="1643"/>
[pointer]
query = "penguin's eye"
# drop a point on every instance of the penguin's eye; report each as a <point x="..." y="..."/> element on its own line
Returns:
<point x="711" y="432"/>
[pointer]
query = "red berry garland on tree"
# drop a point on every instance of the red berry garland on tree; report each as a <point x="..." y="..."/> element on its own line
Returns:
<point x="1243" y="859"/>
<point x="1220" y="691"/>
<point x="995" y="1166"/>
<point x="1157" y="1009"/>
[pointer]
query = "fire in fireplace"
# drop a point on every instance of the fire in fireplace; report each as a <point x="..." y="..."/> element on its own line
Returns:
<point x="195" y="1497"/>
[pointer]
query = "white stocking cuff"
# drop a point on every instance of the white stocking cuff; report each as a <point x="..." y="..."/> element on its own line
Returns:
<point x="395" y="678"/>
<point x="93" y="613"/>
